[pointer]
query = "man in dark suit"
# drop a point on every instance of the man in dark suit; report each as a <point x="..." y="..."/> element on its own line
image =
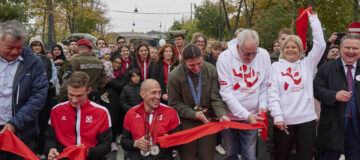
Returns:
<point x="337" y="86"/>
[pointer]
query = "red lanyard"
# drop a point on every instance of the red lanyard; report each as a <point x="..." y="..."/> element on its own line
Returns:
<point x="151" y="129"/>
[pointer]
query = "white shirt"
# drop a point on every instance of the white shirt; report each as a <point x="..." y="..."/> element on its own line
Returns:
<point x="7" y="75"/>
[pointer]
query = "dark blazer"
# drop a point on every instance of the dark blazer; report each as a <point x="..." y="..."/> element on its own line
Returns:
<point x="330" y="79"/>
<point x="159" y="74"/>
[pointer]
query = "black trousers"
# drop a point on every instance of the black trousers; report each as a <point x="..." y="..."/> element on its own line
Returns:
<point x="303" y="135"/>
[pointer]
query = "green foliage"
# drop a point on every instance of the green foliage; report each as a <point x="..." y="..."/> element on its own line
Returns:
<point x="270" y="20"/>
<point x="334" y="15"/>
<point x="190" y="27"/>
<point x="176" y="26"/>
<point x="14" y="9"/>
<point x="207" y="16"/>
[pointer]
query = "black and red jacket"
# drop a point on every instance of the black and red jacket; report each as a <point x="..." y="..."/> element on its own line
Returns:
<point x="89" y="124"/>
<point x="134" y="128"/>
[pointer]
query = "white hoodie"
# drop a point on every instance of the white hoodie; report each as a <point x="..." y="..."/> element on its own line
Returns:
<point x="243" y="87"/>
<point x="290" y="92"/>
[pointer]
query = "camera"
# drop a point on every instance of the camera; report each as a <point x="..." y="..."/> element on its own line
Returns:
<point x="338" y="39"/>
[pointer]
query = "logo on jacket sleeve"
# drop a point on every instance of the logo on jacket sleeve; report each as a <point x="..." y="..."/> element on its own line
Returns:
<point x="294" y="76"/>
<point x="89" y="119"/>
<point x="248" y="75"/>
<point x="222" y="83"/>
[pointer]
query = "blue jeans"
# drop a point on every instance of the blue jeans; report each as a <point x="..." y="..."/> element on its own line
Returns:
<point x="246" y="139"/>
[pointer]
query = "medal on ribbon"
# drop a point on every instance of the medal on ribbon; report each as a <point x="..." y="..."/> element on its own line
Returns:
<point x="151" y="131"/>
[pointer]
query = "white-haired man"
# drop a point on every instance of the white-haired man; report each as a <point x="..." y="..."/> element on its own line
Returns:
<point x="242" y="71"/>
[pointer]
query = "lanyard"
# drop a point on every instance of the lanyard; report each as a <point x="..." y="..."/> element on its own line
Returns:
<point x="195" y="95"/>
<point x="151" y="129"/>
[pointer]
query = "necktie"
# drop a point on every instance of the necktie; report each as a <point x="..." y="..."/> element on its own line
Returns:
<point x="350" y="79"/>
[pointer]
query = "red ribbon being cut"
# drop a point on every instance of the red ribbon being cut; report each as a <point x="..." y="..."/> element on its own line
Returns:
<point x="10" y="143"/>
<point x="192" y="134"/>
<point x="74" y="153"/>
<point x="302" y="25"/>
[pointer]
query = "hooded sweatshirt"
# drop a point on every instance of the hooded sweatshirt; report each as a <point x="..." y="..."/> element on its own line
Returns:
<point x="290" y="92"/>
<point x="243" y="87"/>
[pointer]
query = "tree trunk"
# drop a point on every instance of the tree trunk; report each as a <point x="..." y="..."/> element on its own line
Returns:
<point x="220" y="21"/>
<point x="226" y="16"/>
<point x="247" y="16"/>
<point x="74" y="20"/>
<point x="44" y="26"/>
<point x="51" y="28"/>
<point x="252" y="12"/>
<point x="237" y="19"/>
<point x="355" y="6"/>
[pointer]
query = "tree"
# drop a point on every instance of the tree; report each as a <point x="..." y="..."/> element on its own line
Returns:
<point x="51" y="27"/>
<point x="207" y="19"/>
<point x="68" y="16"/>
<point x="355" y="7"/>
<point x="176" y="26"/>
<point x="14" y="10"/>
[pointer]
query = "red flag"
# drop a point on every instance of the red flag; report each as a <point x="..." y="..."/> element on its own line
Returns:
<point x="192" y="134"/>
<point x="302" y="24"/>
<point x="74" y="153"/>
<point x="10" y="143"/>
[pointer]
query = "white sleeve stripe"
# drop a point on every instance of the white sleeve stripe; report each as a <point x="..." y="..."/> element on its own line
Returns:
<point x="60" y="104"/>
<point x="102" y="107"/>
<point x="49" y="122"/>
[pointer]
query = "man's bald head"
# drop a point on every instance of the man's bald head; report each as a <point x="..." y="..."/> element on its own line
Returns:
<point x="149" y="83"/>
<point x="151" y="94"/>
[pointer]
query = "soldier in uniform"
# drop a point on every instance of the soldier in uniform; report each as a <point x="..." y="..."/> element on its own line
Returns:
<point x="88" y="63"/>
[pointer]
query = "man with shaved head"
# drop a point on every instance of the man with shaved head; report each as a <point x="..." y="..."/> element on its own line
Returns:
<point x="144" y="123"/>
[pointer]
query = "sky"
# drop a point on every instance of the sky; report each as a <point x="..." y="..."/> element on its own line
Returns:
<point x="123" y="22"/>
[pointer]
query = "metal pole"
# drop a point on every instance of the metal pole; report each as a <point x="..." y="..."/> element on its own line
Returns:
<point x="190" y="11"/>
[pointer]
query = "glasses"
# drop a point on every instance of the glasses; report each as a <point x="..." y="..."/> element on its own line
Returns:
<point x="121" y="42"/>
<point x="200" y="41"/>
<point x="250" y="53"/>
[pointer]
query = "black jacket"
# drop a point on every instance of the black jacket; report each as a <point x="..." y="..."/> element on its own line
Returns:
<point x="134" y="64"/>
<point x="330" y="79"/>
<point x="130" y="96"/>
<point x="116" y="112"/>
<point x="210" y="59"/>
<point x="158" y="74"/>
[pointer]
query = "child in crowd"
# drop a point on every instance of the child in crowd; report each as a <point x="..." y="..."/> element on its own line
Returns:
<point x="130" y="95"/>
<point x="105" y="59"/>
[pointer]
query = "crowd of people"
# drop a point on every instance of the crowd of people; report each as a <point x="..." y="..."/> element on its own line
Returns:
<point x="90" y="95"/>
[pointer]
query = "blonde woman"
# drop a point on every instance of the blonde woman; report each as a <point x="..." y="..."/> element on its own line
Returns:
<point x="200" y="41"/>
<point x="290" y="94"/>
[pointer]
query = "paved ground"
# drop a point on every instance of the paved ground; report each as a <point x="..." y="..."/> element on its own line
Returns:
<point x="262" y="153"/>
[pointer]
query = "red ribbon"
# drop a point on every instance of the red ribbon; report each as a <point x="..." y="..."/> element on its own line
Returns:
<point x="74" y="153"/>
<point x="192" y="134"/>
<point x="10" y="143"/>
<point x="302" y="25"/>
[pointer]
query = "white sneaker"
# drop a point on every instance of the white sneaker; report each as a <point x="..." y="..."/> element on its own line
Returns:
<point x="114" y="146"/>
<point x="220" y="149"/>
